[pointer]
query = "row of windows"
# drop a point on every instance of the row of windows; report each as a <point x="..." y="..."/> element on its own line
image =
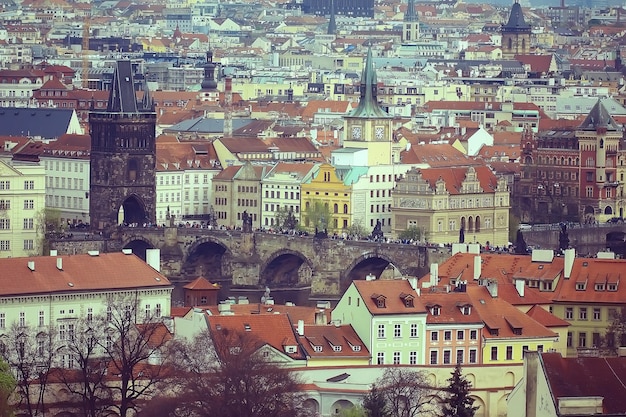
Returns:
<point x="6" y="185"/>
<point x="583" y="315"/>
<point x="509" y="352"/>
<point x="446" y="356"/>
<point x="447" y="335"/>
<point x="29" y="224"/>
<point x="71" y="166"/>
<point x="65" y="202"/>
<point x="274" y="207"/>
<point x="288" y="194"/>
<point x="246" y="189"/>
<point x="397" y="329"/>
<point x="60" y="182"/>
<point x="397" y="358"/>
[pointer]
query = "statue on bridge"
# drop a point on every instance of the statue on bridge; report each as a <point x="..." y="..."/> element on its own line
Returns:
<point x="246" y="223"/>
<point x="563" y="237"/>
<point x="377" y="233"/>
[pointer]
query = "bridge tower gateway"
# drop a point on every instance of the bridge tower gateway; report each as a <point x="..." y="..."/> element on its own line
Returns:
<point x="123" y="154"/>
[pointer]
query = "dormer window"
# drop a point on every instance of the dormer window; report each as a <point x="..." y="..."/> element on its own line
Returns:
<point x="356" y="348"/>
<point x="318" y="348"/>
<point x="612" y="287"/>
<point x="379" y="300"/>
<point x="600" y="287"/>
<point x="466" y="310"/>
<point x="435" y="310"/>
<point x="337" y="348"/>
<point x="580" y="286"/>
<point x="407" y="299"/>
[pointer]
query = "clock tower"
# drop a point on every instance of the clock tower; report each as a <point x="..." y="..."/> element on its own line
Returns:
<point x="369" y="126"/>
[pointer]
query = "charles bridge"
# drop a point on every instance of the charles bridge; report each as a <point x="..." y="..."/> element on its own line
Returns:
<point x="319" y="268"/>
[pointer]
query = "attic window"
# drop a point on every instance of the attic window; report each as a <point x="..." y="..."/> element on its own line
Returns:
<point x="356" y="348"/>
<point x="466" y="310"/>
<point x="318" y="348"/>
<point x="407" y="299"/>
<point x="247" y="327"/>
<point x="494" y="332"/>
<point x="612" y="287"/>
<point x="585" y="263"/>
<point x="379" y="300"/>
<point x="600" y="287"/>
<point x="337" y="348"/>
<point x="290" y="349"/>
<point x="580" y="286"/>
<point x="435" y="310"/>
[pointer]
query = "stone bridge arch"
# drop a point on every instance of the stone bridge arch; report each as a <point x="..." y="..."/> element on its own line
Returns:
<point x="138" y="244"/>
<point x="208" y="257"/>
<point x="295" y="273"/>
<point x="374" y="263"/>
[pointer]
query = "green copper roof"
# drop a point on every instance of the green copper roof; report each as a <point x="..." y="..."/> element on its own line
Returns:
<point x="368" y="104"/>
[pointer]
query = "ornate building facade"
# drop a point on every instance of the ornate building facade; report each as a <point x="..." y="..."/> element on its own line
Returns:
<point x="466" y="204"/>
<point x="573" y="175"/>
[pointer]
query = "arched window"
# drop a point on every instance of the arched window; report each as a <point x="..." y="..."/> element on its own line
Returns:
<point x="463" y="222"/>
<point x="345" y="209"/>
<point x="510" y="43"/>
<point x="335" y="208"/>
<point x="523" y="44"/>
<point x="470" y="224"/>
<point x="478" y="223"/>
<point x="307" y="205"/>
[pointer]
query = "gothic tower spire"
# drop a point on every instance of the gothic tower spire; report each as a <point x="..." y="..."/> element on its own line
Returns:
<point x="332" y="24"/>
<point x="411" y="25"/>
<point x="368" y="104"/>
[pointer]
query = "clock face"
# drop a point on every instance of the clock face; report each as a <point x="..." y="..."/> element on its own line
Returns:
<point x="380" y="132"/>
<point x="356" y="132"/>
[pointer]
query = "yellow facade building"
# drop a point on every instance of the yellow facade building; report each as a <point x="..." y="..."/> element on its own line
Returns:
<point x="326" y="195"/>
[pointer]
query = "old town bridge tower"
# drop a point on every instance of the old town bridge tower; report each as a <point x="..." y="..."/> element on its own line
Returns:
<point x="123" y="154"/>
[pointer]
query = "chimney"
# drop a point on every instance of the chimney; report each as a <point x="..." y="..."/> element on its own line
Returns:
<point x="519" y="286"/>
<point x="31" y="265"/>
<point x="478" y="264"/>
<point x="434" y="275"/>
<point x="60" y="264"/>
<point x="492" y="286"/>
<point x="320" y="317"/>
<point x="300" y="327"/>
<point x="153" y="258"/>
<point x="53" y="252"/>
<point x="570" y="255"/>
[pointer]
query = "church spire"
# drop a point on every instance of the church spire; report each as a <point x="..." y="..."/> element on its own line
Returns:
<point x="208" y="82"/>
<point x="332" y="24"/>
<point x="368" y="104"/>
<point x="411" y="15"/>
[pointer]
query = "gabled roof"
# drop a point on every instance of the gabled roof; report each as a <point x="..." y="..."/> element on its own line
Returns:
<point x="453" y="178"/>
<point x="43" y="122"/>
<point x="201" y="283"/>
<point x="390" y="291"/>
<point x="105" y="271"/>
<point x="546" y="318"/>
<point x="450" y="304"/>
<point x="498" y="314"/>
<point x="275" y="330"/>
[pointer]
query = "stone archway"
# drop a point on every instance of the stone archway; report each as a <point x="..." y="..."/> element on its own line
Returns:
<point x="132" y="211"/>
<point x="369" y="264"/>
<point x="288" y="275"/>
<point x="138" y="245"/>
<point x="209" y="258"/>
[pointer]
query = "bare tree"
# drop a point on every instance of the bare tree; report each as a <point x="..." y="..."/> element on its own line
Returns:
<point x="230" y="379"/>
<point x="134" y="346"/>
<point x="30" y="354"/>
<point x="406" y="393"/>
<point x="87" y="379"/>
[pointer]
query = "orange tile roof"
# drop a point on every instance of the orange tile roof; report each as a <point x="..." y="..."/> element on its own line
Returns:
<point x="450" y="304"/>
<point x="275" y="330"/>
<point x="592" y="271"/>
<point x="437" y="155"/>
<point x="498" y="314"/>
<point x="394" y="293"/>
<point x="327" y="337"/>
<point x="546" y="318"/>
<point x="201" y="283"/>
<point x="454" y="177"/>
<point x="294" y="312"/>
<point x="106" y="271"/>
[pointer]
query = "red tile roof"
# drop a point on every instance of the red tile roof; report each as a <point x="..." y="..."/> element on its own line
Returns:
<point x="546" y="318"/>
<point x="78" y="273"/>
<point x="327" y="337"/>
<point x="588" y="377"/>
<point x="201" y="283"/>
<point x="450" y="304"/>
<point x="393" y="292"/>
<point x="273" y="329"/>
